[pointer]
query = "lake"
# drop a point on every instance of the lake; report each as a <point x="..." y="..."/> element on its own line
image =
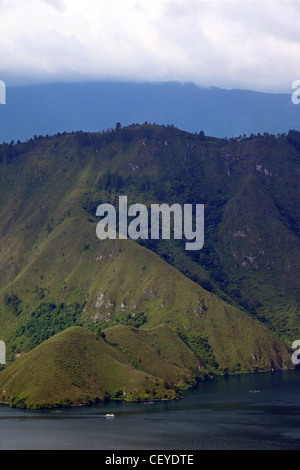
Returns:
<point x="260" y="411"/>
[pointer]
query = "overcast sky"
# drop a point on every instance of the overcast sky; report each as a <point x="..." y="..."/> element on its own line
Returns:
<point x="249" y="44"/>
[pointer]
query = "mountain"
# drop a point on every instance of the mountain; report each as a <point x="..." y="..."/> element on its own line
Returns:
<point x="231" y="307"/>
<point x="51" y="108"/>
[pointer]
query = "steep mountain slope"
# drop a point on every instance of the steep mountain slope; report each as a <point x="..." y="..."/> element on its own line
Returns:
<point x="55" y="273"/>
<point x="118" y="281"/>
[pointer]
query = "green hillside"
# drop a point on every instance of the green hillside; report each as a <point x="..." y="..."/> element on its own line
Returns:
<point x="133" y="286"/>
<point x="234" y="304"/>
<point x="76" y="367"/>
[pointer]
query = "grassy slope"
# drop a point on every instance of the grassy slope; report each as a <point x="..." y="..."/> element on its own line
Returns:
<point x="158" y="351"/>
<point x="130" y="279"/>
<point x="77" y="367"/>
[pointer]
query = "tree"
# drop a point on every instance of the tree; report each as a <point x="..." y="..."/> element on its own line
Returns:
<point x="202" y="135"/>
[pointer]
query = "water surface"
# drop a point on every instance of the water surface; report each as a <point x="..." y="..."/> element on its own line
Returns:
<point x="260" y="411"/>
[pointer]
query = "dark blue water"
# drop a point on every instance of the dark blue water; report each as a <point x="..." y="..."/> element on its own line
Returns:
<point x="220" y="414"/>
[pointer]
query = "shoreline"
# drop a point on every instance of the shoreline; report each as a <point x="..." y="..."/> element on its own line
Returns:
<point x="58" y="406"/>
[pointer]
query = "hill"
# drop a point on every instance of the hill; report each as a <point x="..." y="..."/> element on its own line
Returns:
<point x="76" y="367"/>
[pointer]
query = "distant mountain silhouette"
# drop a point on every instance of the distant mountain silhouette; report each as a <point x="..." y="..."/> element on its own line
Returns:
<point x="51" y="108"/>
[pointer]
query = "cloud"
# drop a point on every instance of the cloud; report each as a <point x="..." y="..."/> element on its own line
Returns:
<point x="57" y="4"/>
<point x="226" y="43"/>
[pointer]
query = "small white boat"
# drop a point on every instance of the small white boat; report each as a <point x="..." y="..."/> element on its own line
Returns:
<point x="110" y="415"/>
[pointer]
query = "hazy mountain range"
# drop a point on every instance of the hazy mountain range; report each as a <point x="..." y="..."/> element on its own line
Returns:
<point x="50" y="108"/>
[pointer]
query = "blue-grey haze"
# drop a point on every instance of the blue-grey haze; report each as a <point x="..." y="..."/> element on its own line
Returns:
<point x="50" y="108"/>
